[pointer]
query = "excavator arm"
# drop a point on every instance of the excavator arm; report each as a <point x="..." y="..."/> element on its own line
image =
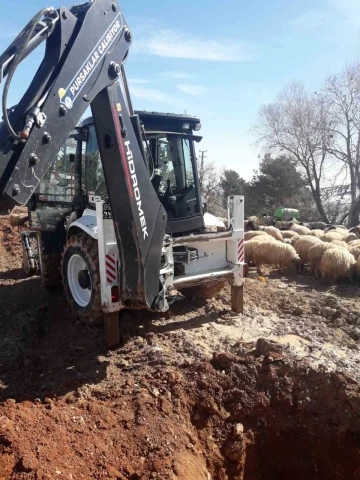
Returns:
<point x="86" y="47"/>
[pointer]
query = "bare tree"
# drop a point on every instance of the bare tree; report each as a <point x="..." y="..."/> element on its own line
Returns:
<point x="341" y="97"/>
<point x="336" y="202"/>
<point x="210" y="179"/>
<point x="296" y="124"/>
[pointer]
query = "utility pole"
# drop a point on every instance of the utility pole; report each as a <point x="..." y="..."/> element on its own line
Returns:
<point x="203" y="156"/>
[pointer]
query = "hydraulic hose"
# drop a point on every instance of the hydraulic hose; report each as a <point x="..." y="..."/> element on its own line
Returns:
<point x="31" y="27"/>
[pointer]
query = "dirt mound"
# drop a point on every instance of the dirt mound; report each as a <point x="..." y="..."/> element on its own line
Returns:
<point x="190" y="395"/>
<point x="10" y="245"/>
<point x="234" y="418"/>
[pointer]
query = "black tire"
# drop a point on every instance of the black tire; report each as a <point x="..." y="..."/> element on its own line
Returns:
<point x="86" y="247"/>
<point x="204" y="291"/>
<point x="50" y="267"/>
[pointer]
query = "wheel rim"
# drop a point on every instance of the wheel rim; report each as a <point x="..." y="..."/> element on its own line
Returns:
<point x="82" y="296"/>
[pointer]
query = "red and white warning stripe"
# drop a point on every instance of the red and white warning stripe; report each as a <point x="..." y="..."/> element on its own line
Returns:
<point x="111" y="276"/>
<point x="241" y="251"/>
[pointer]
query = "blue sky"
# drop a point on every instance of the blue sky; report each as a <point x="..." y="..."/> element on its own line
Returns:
<point x="218" y="59"/>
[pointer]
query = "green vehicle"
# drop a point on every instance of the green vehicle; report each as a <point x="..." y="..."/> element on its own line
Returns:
<point x="282" y="213"/>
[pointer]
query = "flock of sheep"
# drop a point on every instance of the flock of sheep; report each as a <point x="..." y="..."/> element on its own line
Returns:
<point x="331" y="254"/>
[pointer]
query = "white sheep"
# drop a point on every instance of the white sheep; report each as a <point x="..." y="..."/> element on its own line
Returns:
<point x="300" y="229"/>
<point x="289" y="234"/>
<point x="293" y="240"/>
<point x="315" y="255"/>
<point x="332" y="235"/>
<point x="341" y="230"/>
<point x="302" y="247"/>
<point x="340" y="243"/>
<point x="250" y="246"/>
<point x="276" y="254"/>
<point x="274" y="232"/>
<point x="316" y="233"/>
<point x="337" y="263"/>
<point x="250" y="235"/>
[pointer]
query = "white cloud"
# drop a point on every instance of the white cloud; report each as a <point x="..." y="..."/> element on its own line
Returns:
<point x="190" y="89"/>
<point x="176" y="75"/>
<point x="170" y="43"/>
<point x="151" y="95"/>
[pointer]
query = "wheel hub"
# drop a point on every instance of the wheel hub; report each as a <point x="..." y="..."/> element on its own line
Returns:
<point x="84" y="279"/>
<point x="79" y="280"/>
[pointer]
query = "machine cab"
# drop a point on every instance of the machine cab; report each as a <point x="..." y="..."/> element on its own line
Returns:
<point x="77" y="174"/>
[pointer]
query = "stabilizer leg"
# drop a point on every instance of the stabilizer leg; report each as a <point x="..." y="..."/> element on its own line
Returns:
<point x="112" y="329"/>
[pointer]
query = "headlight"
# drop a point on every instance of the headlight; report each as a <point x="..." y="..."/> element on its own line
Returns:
<point x="186" y="126"/>
<point x="197" y="127"/>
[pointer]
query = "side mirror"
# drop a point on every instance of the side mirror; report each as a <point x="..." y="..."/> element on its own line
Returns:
<point x="72" y="158"/>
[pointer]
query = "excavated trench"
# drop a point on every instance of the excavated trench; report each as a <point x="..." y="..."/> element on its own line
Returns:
<point x="277" y="420"/>
<point x="238" y="417"/>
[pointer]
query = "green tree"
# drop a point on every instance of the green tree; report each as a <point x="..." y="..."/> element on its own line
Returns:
<point x="278" y="183"/>
<point x="232" y="184"/>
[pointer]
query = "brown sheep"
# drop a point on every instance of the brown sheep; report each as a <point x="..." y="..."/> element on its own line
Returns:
<point x="251" y="223"/>
<point x="302" y="247"/>
<point x="350" y="238"/>
<point x="354" y="243"/>
<point x="274" y="232"/>
<point x="269" y="220"/>
<point x="276" y="254"/>
<point x="358" y="266"/>
<point x="315" y="255"/>
<point x="337" y="263"/>
<point x="356" y="230"/>
<point x="281" y="225"/>
<point x="355" y="251"/>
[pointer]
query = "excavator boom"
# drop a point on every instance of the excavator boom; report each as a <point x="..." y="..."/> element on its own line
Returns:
<point x="86" y="47"/>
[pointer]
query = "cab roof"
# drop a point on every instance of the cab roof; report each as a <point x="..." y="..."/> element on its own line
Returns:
<point x="170" y="122"/>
